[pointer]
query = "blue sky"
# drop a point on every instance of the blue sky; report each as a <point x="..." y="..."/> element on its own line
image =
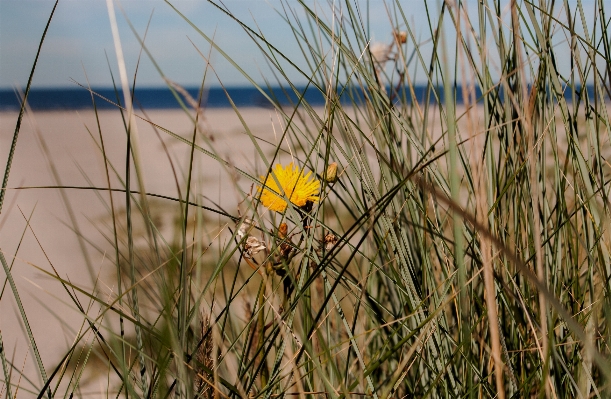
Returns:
<point x="80" y="35"/>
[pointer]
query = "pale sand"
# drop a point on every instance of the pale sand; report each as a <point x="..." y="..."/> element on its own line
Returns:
<point x="74" y="154"/>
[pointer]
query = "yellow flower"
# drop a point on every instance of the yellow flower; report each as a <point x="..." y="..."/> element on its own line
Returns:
<point x="296" y="186"/>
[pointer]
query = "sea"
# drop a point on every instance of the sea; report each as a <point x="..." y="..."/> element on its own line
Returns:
<point x="62" y="98"/>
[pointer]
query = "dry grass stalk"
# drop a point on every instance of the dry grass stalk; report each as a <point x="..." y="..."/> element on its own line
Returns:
<point x="205" y="361"/>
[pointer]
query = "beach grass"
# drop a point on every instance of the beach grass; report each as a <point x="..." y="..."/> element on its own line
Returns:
<point x="448" y="248"/>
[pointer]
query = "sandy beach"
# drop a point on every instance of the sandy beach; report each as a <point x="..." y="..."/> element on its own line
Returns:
<point x="62" y="148"/>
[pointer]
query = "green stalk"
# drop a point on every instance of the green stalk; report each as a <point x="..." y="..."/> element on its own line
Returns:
<point x="7" y="375"/>
<point x="457" y="222"/>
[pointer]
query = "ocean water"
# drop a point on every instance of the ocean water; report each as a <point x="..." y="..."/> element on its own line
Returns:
<point x="163" y="98"/>
<point x="147" y="98"/>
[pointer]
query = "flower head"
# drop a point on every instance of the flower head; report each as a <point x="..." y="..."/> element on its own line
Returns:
<point x="400" y="36"/>
<point x="380" y="53"/>
<point x="294" y="185"/>
<point x="331" y="173"/>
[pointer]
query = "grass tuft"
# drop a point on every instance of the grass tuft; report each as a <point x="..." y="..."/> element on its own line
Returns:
<point x="458" y="245"/>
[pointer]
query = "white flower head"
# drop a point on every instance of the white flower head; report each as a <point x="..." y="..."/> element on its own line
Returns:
<point x="244" y="228"/>
<point x="380" y="53"/>
<point x="253" y="246"/>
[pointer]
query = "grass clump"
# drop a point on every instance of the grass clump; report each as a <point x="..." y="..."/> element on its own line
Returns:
<point x="456" y="245"/>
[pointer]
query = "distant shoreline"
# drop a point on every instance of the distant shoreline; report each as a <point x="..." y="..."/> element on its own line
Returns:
<point x="216" y="97"/>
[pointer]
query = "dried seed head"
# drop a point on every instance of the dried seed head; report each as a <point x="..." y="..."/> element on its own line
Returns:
<point x="331" y="173"/>
<point x="380" y="53"/>
<point x="253" y="246"/>
<point x="285" y="243"/>
<point x="400" y="36"/>
<point x="244" y="228"/>
<point x="204" y="356"/>
<point x="282" y="230"/>
<point x="329" y="241"/>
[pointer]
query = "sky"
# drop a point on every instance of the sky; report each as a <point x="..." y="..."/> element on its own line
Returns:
<point x="80" y="38"/>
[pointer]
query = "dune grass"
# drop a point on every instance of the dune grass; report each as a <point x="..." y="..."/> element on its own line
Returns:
<point x="458" y="247"/>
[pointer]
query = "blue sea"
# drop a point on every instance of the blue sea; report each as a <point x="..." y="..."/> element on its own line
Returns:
<point x="162" y="97"/>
